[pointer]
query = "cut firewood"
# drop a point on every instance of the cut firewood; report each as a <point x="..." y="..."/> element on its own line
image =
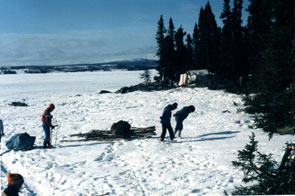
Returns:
<point x="107" y="135"/>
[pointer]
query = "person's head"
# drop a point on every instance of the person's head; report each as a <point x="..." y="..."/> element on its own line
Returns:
<point x="15" y="179"/>
<point x="174" y="106"/>
<point x="191" y="108"/>
<point x="51" y="106"/>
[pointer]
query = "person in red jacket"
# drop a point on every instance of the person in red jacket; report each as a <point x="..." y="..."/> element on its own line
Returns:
<point x="46" y="124"/>
<point x="15" y="182"/>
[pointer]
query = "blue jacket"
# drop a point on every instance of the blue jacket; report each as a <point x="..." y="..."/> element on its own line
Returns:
<point x="182" y="114"/>
<point x="166" y="116"/>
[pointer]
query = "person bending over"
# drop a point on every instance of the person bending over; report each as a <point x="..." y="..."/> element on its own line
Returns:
<point x="180" y="116"/>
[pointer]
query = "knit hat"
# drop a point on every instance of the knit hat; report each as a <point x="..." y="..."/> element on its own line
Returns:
<point x="191" y="108"/>
<point x="51" y="106"/>
<point x="174" y="105"/>
<point x="15" y="178"/>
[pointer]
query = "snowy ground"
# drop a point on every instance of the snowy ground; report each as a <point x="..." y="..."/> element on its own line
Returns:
<point x="198" y="164"/>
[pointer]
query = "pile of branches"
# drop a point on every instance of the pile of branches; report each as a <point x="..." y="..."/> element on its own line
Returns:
<point x="107" y="135"/>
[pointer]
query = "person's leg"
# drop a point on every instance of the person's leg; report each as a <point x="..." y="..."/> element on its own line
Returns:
<point x="176" y="127"/>
<point x="46" y="129"/>
<point x="170" y="132"/>
<point x="163" y="132"/>
<point x="180" y="128"/>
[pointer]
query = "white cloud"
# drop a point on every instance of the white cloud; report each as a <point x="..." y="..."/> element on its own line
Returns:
<point x="71" y="48"/>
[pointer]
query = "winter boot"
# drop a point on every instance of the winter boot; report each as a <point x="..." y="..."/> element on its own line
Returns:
<point x="46" y="144"/>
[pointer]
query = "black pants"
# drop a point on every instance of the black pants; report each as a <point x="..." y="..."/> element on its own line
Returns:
<point x="164" y="127"/>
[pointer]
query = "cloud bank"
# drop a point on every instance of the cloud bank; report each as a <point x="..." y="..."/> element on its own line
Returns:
<point x="71" y="48"/>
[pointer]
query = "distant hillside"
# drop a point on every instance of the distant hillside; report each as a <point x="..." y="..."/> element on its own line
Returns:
<point x="137" y="64"/>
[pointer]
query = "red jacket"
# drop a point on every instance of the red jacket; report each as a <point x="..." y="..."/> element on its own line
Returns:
<point x="46" y="117"/>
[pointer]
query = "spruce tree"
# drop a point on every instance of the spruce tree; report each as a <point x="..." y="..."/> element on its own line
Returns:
<point x="203" y="59"/>
<point x="274" y="79"/>
<point x="169" y="58"/>
<point x="169" y="43"/>
<point x="274" y="98"/>
<point x="240" y="58"/>
<point x="208" y="40"/>
<point x="259" y="27"/>
<point x="146" y="76"/>
<point x="196" y="47"/>
<point x="171" y="31"/>
<point x="180" y="53"/>
<point x="160" y="42"/>
<point x="263" y="173"/>
<point x="226" y="43"/>
<point x="233" y="45"/>
<point x="213" y="39"/>
<point x="189" y="53"/>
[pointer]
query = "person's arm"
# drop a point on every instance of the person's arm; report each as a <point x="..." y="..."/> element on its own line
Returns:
<point x="48" y="118"/>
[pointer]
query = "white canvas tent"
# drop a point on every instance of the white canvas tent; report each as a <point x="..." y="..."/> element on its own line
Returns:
<point x="192" y="76"/>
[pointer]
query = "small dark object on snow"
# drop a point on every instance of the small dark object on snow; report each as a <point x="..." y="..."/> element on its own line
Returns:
<point x="121" y="128"/>
<point x="18" y="104"/>
<point x="226" y="111"/>
<point x="104" y="92"/>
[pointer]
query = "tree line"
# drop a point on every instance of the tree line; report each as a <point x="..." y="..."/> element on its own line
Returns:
<point x="255" y="58"/>
<point x="223" y="51"/>
<point x="258" y="60"/>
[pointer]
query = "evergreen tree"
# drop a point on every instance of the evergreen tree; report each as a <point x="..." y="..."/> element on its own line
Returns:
<point x="180" y="53"/>
<point x="240" y="57"/>
<point x="169" y="53"/>
<point x="196" y="46"/>
<point x="169" y="58"/>
<point x="259" y="27"/>
<point x="203" y="58"/>
<point x="234" y="45"/>
<point x="146" y="76"/>
<point x="263" y="173"/>
<point x="213" y="39"/>
<point x="274" y="78"/>
<point x="160" y="42"/>
<point x="274" y="100"/>
<point x="208" y="40"/>
<point x="171" y="31"/>
<point x="189" y="53"/>
<point x="226" y="43"/>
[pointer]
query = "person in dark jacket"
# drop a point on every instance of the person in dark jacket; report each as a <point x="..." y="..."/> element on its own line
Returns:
<point x="165" y="121"/>
<point x="15" y="182"/>
<point x="180" y="116"/>
<point x="46" y="124"/>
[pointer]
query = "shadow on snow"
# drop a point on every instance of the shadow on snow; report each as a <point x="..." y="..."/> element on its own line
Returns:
<point x="213" y="138"/>
<point x="219" y="133"/>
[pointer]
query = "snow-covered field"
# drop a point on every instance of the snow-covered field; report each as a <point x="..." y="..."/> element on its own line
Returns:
<point x="198" y="164"/>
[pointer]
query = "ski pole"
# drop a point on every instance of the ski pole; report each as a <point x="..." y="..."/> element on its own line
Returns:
<point x="50" y="141"/>
<point x="55" y="137"/>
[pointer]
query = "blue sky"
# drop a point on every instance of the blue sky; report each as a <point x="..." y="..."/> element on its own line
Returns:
<point x="52" y="32"/>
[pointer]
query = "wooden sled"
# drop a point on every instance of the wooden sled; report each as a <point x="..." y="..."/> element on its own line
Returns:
<point x="106" y="135"/>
